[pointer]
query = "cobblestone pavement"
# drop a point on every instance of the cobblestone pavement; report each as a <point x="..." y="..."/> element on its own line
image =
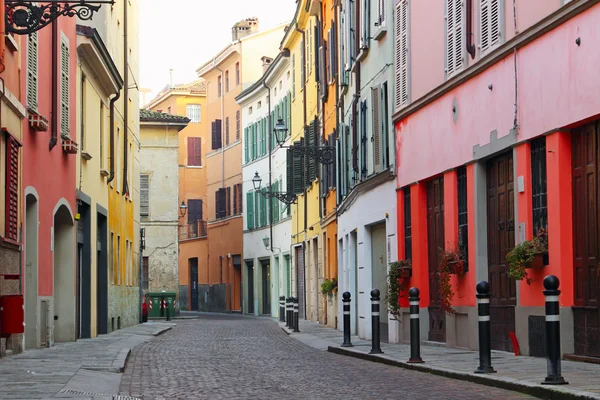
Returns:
<point x="235" y="357"/>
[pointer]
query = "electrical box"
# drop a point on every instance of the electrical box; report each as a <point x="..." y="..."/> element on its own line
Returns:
<point x="12" y="315"/>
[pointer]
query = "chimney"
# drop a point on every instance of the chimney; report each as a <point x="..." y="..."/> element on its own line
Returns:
<point x="244" y="28"/>
<point x="171" y="78"/>
<point x="266" y="61"/>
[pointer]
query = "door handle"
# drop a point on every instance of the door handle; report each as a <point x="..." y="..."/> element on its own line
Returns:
<point x="501" y="225"/>
<point x="511" y="225"/>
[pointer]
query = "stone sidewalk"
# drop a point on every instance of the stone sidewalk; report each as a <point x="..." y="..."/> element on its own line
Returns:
<point x="85" y="369"/>
<point x="518" y="373"/>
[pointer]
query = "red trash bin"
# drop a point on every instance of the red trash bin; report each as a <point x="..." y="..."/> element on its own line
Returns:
<point x="12" y="315"/>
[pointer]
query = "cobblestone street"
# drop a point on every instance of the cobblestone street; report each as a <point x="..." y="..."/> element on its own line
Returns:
<point x="234" y="357"/>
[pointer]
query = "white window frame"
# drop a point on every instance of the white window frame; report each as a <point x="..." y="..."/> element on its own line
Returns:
<point x="194" y="113"/>
<point x="455" y="49"/>
<point x="501" y="29"/>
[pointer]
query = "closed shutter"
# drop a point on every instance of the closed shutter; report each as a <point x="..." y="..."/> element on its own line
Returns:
<point x="354" y="127"/>
<point x="194" y="210"/>
<point x="298" y="170"/>
<point x="312" y="161"/>
<point x="228" y="201"/>
<point x="401" y="54"/>
<point x="264" y="136"/>
<point x="263" y="208"/>
<point x="32" y="71"/>
<point x="366" y="21"/>
<point x="381" y="12"/>
<point x="383" y="117"/>
<point x="276" y="202"/>
<point x="235" y="199"/>
<point x="257" y="197"/>
<point x="318" y="55"/>
<point x="194" y="153"/>
<point x="213" y="129"/>
<point x="489" y="24"/>
<point x="250" y="207"/>
<point x="302" y="63"/>
<point x="293" y="77"/>
<point x="376" y="130"/>
<point x="226" y="130"/>
<point x="144" y="195"/>
<point x="64" y="90"/>
<point x="289" y="162"/>
<point x="238" y="125"/>
<point x="254" y="141"/>
<point x="246" y="145"/>
<point x="221" y="202"/>
<point x="288" y="114"/>
<point x="12" y="188"/>
<point x="454" y="37"/>
<point x="363" y="139"/>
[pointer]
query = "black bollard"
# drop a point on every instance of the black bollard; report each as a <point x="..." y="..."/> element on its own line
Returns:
<point x="281" y="309"/>
<point x="296" y="315"/>
<point x="346" y="303"/>
<point x="287" y="313"/>
<point x="485" y="340"/>
<point x="167" y="310"/>
<point x="375" y="334"/>
<point x="554" y="377"/>
<point x="415" y="334"/>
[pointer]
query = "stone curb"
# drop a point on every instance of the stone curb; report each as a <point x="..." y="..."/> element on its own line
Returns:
<point x="544" y="392"/>
<point x="117" y="366"/>
<point x="161" y="331"/>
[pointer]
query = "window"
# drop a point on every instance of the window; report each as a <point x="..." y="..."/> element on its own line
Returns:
<point x="221" y="203"/>
<point x="384" y="120"/>
<point x="238" y="125"/>
<point x="217" y="140"/>
<point x="401" y="54"/>
<point x="64" y="89"/>
<point x="111" y="257"/>
<point x="365" y="22"/>
<point x="351" y="33"/>
<point x="193" y="112"/>
<point x="259" y="105"/>
<point x="127" y="262"/>
<point x="118" y="158"/>
<point x="219" y="86"/>
<point x="363" y="139"/>
<point x="489" y="25"/>
<point x="194" y="147"/>
<point x="250" y="110"/>
<point x="32" y="71"/>
<point x="250" y="208"/>
<point x="118" y="266"/>
<point x="144" y="195"/>
<point x="101" y="136"/>
<point x="275" y="90"/>
<point x="130" y="173"/>
<point x="463" y="234"/>
<point x="293" y="76"/>
<point x="228" y="201"/>
<point x="226" y="81"/>
<point x="237" y="73"/>
<point x="226" y="130"/>
<point x="407" y="225"/>
<point x="194" y="210"/>
<point x="331" y="53"/>
<point x="454" y="37"/>
<point x="145" y="262"/>
<point x="538" y="185"/>
<point x="380" y="13"/>
<point x="376" y="129"/>
<point x="12" y="188"/>
<point x="303" y="51"/>
<point x="263" y="208"/>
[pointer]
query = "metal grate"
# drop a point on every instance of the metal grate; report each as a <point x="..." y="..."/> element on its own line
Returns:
<point x="538" y="184"/>
<point x="537" y="336"/>
<point x="407" y="225"/>
<point x="111" y="396"/>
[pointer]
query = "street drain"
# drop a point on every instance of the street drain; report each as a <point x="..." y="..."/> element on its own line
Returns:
<point x="111" y="396"/>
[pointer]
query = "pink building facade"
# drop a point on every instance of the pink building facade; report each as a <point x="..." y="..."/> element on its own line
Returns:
<point x="497" y="142"/>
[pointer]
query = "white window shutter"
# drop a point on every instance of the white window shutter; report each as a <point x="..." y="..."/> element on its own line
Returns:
<point x="401" y="54"/>
<point x="32" y="71"/>
<point x="64" y="89"/>
<point x="454" y="37"/>
<point x="489" y="24"/>
<point x="144" y="195"/>
<point x="381" y="12"/>
<point x="376" y="129"/>
<point x="366" y="20"/>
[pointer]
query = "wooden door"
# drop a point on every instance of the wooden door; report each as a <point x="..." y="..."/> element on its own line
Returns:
<point x="501" y="240"/>
<point x="300" y="282"/>
<point x="585" y="240"/>
<point x="193" y="262"/>
<point x="435" y="245"/>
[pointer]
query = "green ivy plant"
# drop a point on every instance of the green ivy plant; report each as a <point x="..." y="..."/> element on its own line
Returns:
<point x="522" y="255"/>
<point x="329" y="287"/>
<point x="395" y="287"/>
<point x="448" y="256"/>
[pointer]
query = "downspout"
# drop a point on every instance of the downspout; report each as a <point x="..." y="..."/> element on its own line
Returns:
<point x="303" y="84"/>
<point x="125" y="191"/>
<point x="111" y="174"/>
<point x="222" y="124"/>
<point x="54" y="136"/>
<point x="270" y="128"/>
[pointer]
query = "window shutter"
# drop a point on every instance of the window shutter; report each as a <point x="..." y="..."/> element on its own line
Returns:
<point x="293" y="76"/>
<point x="257" y="197"/>
<point x="263" y="123"/>
<point x="219" y="128"/>
<point x="302" y="63"/>
<point x="354" y="142"/>
<point x="250" y="213"/>
<point x="363" y="138"/>
<point x="289" y="172"/>
<point x="381" y="12"/>
<point x="194" y="210"/>
<point x="277" y="189"/>
<point x="12" y="189"/>
<point x="489" y="24"/>
<point x="299" y="170"/>
<point x="32" y="71"/>
<point x="194" y="153"/>
<point x="384" y="132"/>
<point x="454" y="37"/>
<point x="235" y="199"/>
<point x="333" y="167"/>
<point x="228" y="201"/>
<point x="64" y="90"/>
<point x="246" y="144"/>
<point x="226" y="130"/>
<point x="366" y="20"/>
<point x="238" y="125"/>
<point x="213" y="127"/>
<point x="254" y="144"/>
<point x="144" y="195"/>
<point x="317" y="46"/>
<point x="376" y="130"/>
<point x="401" y="50"/>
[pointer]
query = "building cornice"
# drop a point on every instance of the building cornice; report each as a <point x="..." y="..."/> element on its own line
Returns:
<point x="277" y="66"/>
<point x="219" y="58"/>
<point x="534" y="32"/>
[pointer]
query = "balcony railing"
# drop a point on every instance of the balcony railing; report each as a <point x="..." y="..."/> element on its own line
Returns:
<point x="193" y="231"/>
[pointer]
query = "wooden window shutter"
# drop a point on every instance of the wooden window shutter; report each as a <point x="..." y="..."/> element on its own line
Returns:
<point x="12" y="188"/>
<point x="144" y="195"/>
<point x="401" y="54"/>
<point x="32" y="71"/>
<point x="226" y="130"/>
<point x="219" y="128"/>
<point x="376" y="129"/>
<point x="64" y="90"/>
<point x="228" y="201"/>
<point x="263" y="134"/>
<point x="238" y="125"/>
<point x="250" y="213"/>
<point x="302" y="63"/>
<point x="194" y="151"/>
<point x="194" y="210"/>
<point x="289" y="172"/>
<point x="298" y="170"/>
<point x="489" y="24"/>
<point x="384" y="133"/>
<point x="254" y="144"/>
<point x="454" y="37"/>
<point x="213" y="128"/>
<point x="263" y="208"/>
<point x="235" y="199"/>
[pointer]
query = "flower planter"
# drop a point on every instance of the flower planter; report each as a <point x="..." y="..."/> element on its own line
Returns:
<point x="38" y="122"/>
<point x="456" y="267"/>
<point x="539" y="261"/>
<point x="69" y="146"/>
<point x="405" y="272"/>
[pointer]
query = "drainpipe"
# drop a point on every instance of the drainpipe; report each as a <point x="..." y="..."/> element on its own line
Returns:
<point x="270" y="136"/>
<point x="125" y="99"/>
<point x="54" y="136"/>
<point x="111" y="175"/>
<point x="304" y="115"/>
<point x="222" y="126"/>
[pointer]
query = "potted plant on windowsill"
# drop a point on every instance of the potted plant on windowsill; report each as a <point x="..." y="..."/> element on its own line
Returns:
<point x="400" y="272"/>
<point x="452" y="262"/>
<point x="529" y="254"/>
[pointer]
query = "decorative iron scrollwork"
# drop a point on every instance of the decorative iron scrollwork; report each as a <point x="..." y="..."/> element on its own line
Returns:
<point x="24" y="17"/>
<point x="284" y="197"/>
<point x="324" y="155"/>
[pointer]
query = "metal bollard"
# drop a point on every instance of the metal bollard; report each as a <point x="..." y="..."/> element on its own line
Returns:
<point x="296" y="315"/>
<point x="281" y="308"/>
<point x="288" y="318"/>
<point x="485" y="340"/>
<point x="376" y="335"/>
<point x="551" y="284"/>
<point x="415" y="334"/>
<point x="346" y="302"/>
<point x="167" y="309"/>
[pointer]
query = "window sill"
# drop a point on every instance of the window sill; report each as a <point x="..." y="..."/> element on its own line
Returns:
<point x="194" y="166"/>
<point x="104" y="172"/>
<point x="364" y="51"/>
<point x="380" y="33"/>
<point x="86" y="156"/>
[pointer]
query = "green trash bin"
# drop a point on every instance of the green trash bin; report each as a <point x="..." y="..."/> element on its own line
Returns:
<point x="154" y="299"/>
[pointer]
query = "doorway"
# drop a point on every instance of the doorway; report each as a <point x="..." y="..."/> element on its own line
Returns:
<point x="238" y="290"/>
<point x="501" y="240"/>
<point x="379" y="275"/>
<point x="64" y="272"/>
<point x="102" y="274"/>
<point x="300" y="282"/>
<point x="32" y="338"/>
<point x="266" y="287"/>
<point x="586" y="241"/>
<point x="250" y="268"/>
<point x="435" y="244"/>
<point x="193" y="265"/>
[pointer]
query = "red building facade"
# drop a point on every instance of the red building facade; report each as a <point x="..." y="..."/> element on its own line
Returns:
<point x="504" y="147"/>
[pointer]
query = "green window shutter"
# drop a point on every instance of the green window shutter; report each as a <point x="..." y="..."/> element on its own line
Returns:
<point x="276" y="211"/>
<point x="264" y="136"/>
<point x="263" y="209"/>
<point x="253" y="141"/>
<point x="246" y="145"/>
<point x="250" y="208"/>
<point x="257" y="209"/>
<point x="288" y="113"/>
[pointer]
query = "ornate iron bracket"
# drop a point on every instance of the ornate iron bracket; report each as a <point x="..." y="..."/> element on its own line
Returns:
<point x="284" y="197"/>
<point x="324" y="155"/>
<point x="24" y="17"/>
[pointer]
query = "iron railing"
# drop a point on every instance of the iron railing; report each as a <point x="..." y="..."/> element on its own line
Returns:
<point x="193" y="230"/>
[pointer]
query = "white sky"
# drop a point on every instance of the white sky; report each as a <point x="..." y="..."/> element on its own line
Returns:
<point x="183" y="34"/>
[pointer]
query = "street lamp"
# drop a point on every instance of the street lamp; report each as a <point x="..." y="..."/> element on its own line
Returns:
<point x="182" y="209"/>
<point x="284" y="197"/>
<point x="323" y="154"/>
